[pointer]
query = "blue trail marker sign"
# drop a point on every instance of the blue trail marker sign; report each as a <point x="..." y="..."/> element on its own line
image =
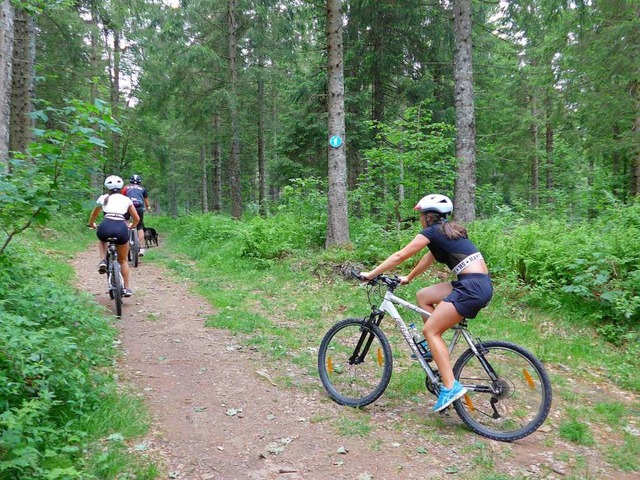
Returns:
<point x="335" y="141"/>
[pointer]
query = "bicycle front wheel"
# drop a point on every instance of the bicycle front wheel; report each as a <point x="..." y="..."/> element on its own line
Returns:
<point x="355" y="362"/>
<point x="513" y="405"/>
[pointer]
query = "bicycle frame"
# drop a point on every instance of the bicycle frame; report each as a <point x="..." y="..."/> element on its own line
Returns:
<point x="389" y="305"/>
<point x="112" y="258"/>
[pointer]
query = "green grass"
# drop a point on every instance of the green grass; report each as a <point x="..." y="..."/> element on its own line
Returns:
<point x="354" y="427"/>
<point x="612" y="412"/>
<point x="118" y="412"/>
<point x="626" y="457"/>
<point x="576" y="431"/>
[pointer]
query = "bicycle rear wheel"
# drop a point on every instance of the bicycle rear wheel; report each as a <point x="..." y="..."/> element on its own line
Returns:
<point x="134" y="248"/>
<point x="355" y="362"/>
<point x="510" y="407"/>
<point x="117" y="285"/>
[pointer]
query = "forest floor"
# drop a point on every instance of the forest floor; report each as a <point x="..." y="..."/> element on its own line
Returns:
<point x="216" y="413"/>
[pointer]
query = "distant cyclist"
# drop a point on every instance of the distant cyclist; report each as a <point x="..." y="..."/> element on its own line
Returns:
<point x="138" y="195"/>
<point x="115" y="206"/>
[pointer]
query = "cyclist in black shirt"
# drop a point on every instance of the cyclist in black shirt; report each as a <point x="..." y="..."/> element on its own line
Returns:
<point x="138" y="195"/>
<point x="448" y="302"/>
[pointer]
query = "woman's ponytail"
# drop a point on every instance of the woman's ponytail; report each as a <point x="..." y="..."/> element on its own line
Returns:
<point x="451" y="230"/>
<point x="454" y="231"/>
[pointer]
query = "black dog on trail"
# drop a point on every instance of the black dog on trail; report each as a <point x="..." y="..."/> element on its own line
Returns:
<point x="150" y="237"/>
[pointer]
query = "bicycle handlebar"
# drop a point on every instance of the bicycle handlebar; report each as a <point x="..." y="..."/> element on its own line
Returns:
<point x="390" y="281"/>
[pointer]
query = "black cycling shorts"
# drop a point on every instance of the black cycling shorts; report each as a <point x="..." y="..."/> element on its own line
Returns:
<point x="113" y="228"/>
<point x="140" y="211"/>
<point x="471" y="292"/>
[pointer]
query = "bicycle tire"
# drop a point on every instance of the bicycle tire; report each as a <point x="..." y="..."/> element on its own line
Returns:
<point x="134" y="248"/>
<point x="361" y="382"/>
<point x="109" y="277"/>
<point x="524" y="398"/>
<point x="118" y="286"/>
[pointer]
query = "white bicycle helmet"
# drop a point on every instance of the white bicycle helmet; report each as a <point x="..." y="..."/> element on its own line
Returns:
<point x="435" y="203"/>
<point x="113" y="182"/>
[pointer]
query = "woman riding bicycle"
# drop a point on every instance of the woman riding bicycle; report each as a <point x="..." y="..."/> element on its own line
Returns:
<point x="115" y="206"/>
<point x="448" y="302"/>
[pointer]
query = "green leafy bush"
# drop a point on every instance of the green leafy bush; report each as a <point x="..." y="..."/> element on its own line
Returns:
<point x="417" y="156"/>
<point x="299" y="225"/>
<point x="594" y="265"/>
<point x="55" y="173"/>
<point x="54" y="349"/>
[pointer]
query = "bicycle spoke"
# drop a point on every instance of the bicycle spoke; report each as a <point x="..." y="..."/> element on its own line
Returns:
<point x="510" y="407"/>
<point x="355" y="367"/>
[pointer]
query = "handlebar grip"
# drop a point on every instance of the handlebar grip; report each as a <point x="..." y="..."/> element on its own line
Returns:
<point x="357" y="275"/>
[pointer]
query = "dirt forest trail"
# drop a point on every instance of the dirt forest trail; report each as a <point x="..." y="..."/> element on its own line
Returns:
<point x="216" y="414"/>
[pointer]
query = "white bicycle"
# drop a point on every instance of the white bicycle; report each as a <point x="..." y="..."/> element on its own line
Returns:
<point x="508" y="390"/>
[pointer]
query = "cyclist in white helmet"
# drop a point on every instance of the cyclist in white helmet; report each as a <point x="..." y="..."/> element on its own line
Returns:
<point x="115" y="206"/>
<point x="448" y="302"/>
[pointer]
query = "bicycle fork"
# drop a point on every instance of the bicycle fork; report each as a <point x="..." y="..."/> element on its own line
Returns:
<point x="366" y="339"/>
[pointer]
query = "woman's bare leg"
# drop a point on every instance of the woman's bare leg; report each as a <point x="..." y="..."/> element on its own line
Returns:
<point x="102" y="250"/>
<point x="428" y="297"/>
<point x="442" y="319"/>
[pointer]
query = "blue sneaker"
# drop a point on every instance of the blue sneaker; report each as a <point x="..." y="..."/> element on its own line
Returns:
<point x="448" y="396"/>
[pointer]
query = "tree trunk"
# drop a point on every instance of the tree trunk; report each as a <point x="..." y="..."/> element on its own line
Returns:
<point x="549" y="153"/>
<point x="337" y="215"/>
<point x="22" y="80"/>
<point x="6" y="58"/>
<point x="217" y="165"/>
<point x="205" y="182"/>
<point x="617" y="165"/>
<point x="591" y="211"/>
<point x="377" y="71"/>
<point x="635" y="173"/>
<point x="97" y="173"/>
<point x="234" y="161"/>
<point x="171" y="187"/>
<point x="534" y="198"/>
<point x="115" y="93"/>
<point x="262" y="161"/>
<point x="465" y="194"/>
